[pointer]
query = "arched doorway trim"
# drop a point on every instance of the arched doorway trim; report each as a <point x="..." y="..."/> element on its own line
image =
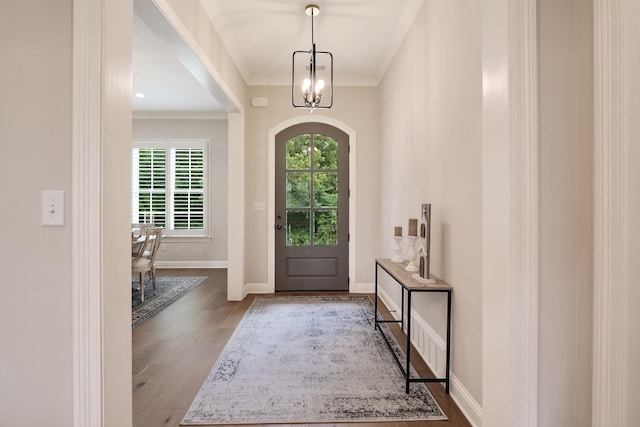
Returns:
<point x="271" y="193"/>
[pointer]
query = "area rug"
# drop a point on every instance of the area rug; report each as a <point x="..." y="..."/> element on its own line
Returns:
<point x="169" y="289"/>
<point x="308" y="359"/>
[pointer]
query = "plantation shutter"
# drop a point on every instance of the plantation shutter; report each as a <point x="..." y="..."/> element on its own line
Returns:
<point x="169" y="186"/>
<point x="187" y="188"/>
<point x="149" y="185"/>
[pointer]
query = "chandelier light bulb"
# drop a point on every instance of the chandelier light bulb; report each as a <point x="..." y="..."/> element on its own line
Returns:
<point x="319" y="86"/>
<point x="306" y="84"/>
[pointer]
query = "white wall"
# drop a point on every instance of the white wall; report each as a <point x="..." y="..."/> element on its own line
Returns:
<point x="356" y="108"/>
<point x="180" y="251"/>
<point x="565" y="82"/>
<point x="35" y="134"/>
<point x="431" y="100"/>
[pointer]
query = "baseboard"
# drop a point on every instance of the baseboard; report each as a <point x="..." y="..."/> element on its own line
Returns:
<point x="191" y="264"/>
<point x="257" y="288"/>
<point x="362" y="288"/>
<point x="431" y="348"/>
<point x="467" y="404"/>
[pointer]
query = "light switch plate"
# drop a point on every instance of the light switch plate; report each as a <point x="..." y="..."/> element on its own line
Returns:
<point x="258" y="206"/>
<point x="53" y="208"/>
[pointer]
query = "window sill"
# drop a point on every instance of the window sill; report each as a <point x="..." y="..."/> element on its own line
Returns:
<point x="187" y="239"/>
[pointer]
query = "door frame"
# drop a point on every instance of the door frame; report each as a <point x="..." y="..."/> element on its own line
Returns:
<point x="271" y="197"/>
<point x="335" y="275"/>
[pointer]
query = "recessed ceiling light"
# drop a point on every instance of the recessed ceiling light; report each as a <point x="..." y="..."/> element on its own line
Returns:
<point x="139" y="95"/>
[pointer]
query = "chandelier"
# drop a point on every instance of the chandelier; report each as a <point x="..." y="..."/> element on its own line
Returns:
<point x="312" y="74"/>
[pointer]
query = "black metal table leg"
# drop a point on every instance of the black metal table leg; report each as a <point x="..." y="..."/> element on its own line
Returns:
<point x="375" y="313"/>
<point x="448" y="340"/>
<point x="402" y="310"/>
<point x="408" y="348"/>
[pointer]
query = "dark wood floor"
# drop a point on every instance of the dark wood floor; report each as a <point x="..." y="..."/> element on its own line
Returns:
<point x="174" y="352"/>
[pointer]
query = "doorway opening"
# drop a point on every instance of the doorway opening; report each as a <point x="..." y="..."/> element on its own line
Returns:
<point x="311" y="208"/>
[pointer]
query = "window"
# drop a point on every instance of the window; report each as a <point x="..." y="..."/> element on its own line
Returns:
<point x="169" y="186"/>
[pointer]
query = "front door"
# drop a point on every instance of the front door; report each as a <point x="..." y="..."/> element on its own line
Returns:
<point x="312" y="208"/>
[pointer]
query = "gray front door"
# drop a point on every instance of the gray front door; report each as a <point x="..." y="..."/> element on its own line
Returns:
<point x="312" y="208"/>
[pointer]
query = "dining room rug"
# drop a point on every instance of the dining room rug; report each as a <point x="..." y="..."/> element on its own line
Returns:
<point x="169" y="289"/>
<point x="308" y="359"/>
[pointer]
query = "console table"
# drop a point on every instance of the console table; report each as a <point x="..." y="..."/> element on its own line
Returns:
<point x="409" y="286"/>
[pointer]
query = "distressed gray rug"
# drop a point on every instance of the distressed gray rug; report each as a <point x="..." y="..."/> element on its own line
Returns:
<point x="308" y="359"/>
<point x="169" y="289"/>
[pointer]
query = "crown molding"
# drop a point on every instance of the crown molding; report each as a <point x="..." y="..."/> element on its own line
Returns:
<point x="167" y="115"/>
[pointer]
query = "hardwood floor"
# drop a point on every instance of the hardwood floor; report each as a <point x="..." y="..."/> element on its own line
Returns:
<point x="174" y="352"/>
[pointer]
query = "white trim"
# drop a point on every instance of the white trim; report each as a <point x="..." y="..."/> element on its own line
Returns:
<point x="191" y="264"/>
<point x="465" y="401"/>
<point x="524" y="196"/>
<point x="152" y="115"/>
<point x="258" y="288"/>
<point x="611" y="227"/>
<point x="510" y="203"/>
<point x="185" y="239"/>
<point x="362" y="288"/>
<point x="271" y="239"/>
<point x="86" y="216"/>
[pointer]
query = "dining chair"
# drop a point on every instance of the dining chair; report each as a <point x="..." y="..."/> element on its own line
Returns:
<point x="140" y="228"/>
<point x="145" y="259"/>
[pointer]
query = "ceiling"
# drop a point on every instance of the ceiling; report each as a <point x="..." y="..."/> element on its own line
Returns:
<point x="168" y="86"/>
<point x="261" y="35"/>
